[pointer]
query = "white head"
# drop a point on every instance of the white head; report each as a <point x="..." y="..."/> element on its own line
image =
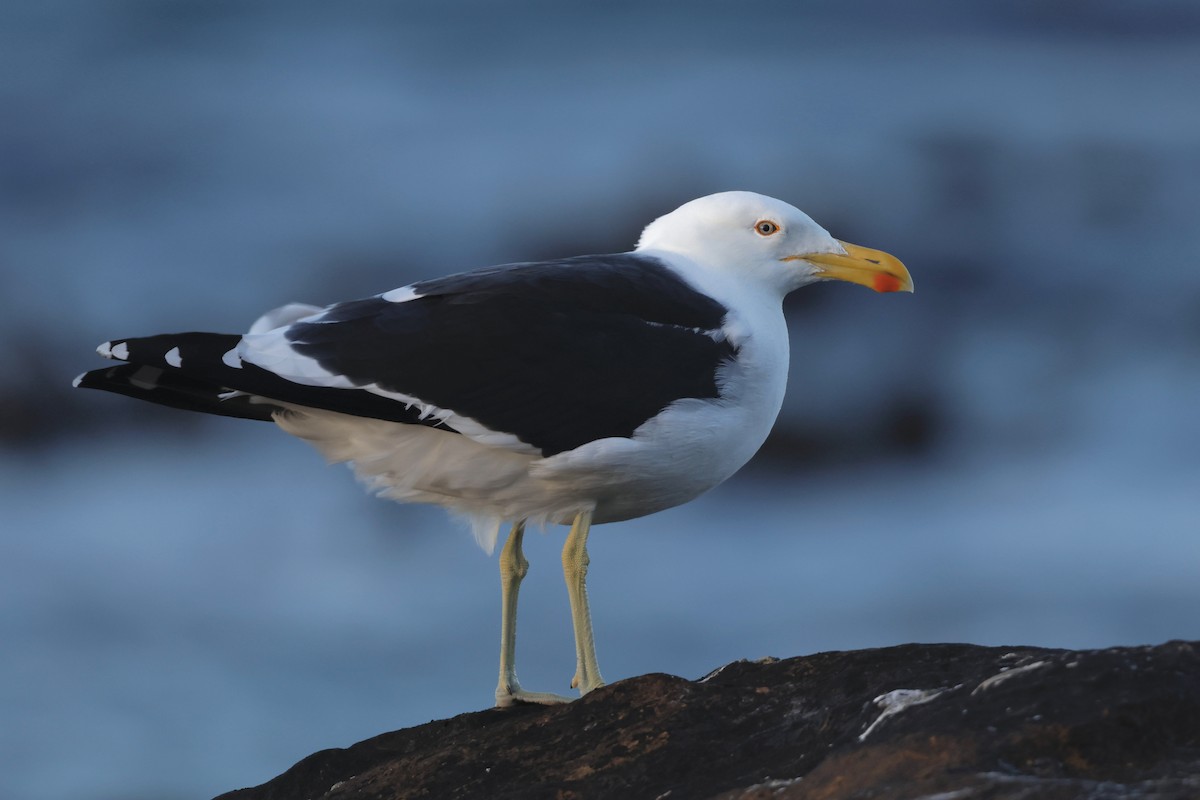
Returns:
<point x="769" y="241"/>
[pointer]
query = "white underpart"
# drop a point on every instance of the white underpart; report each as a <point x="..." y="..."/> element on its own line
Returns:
<point x="418" y="464"/>
<point x="173" y="357"/>
<point x="688" y="448"/>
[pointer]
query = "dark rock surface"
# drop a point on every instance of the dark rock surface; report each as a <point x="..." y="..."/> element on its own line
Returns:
<point x="918" y="721"/>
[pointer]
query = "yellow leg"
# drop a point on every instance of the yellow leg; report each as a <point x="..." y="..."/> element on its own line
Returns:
<point x="513" y="567"/>
<point x="575" y="564"/>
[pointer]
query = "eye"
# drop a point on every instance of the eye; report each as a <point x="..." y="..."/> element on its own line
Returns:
<point x="765" y="227"/>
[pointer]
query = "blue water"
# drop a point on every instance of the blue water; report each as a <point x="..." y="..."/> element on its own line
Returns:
<point x="196" y="615"/>
<point x="188" y="606"/>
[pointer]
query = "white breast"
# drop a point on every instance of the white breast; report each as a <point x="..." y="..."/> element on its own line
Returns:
<point x="694" y="444"/>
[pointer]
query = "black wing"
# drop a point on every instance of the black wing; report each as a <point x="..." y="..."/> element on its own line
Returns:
<point x="557" y="353"/>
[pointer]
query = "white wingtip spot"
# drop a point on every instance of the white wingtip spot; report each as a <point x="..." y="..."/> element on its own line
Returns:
<point x="401" y="295"/>
<point x="173" y="357"/>
<point x="121" y="351"/>
<point x="105" y="350"/>
<point x="78" y="380"/>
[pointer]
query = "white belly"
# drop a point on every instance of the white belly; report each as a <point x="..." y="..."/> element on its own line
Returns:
<point x="685" y="451"/>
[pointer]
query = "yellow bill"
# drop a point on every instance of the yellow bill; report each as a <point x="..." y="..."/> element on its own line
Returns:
<point x="874" y="269"/>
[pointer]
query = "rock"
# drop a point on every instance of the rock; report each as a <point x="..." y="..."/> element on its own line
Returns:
<point x="931" y="721"/>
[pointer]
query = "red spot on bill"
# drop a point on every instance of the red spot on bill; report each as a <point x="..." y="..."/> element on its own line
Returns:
<point x="886" y="283"/>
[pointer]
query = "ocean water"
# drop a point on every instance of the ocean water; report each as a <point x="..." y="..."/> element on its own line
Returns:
<point x="194" y="615"/>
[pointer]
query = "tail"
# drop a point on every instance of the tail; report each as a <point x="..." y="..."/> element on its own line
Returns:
<point x="202" y="372"/>
<point x="185" y="370"/>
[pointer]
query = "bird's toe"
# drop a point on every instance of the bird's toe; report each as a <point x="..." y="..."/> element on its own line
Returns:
<point x="515" y="695"/>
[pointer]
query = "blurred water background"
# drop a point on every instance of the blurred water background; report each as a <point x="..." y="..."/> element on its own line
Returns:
<point x="1009" y="456"/>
